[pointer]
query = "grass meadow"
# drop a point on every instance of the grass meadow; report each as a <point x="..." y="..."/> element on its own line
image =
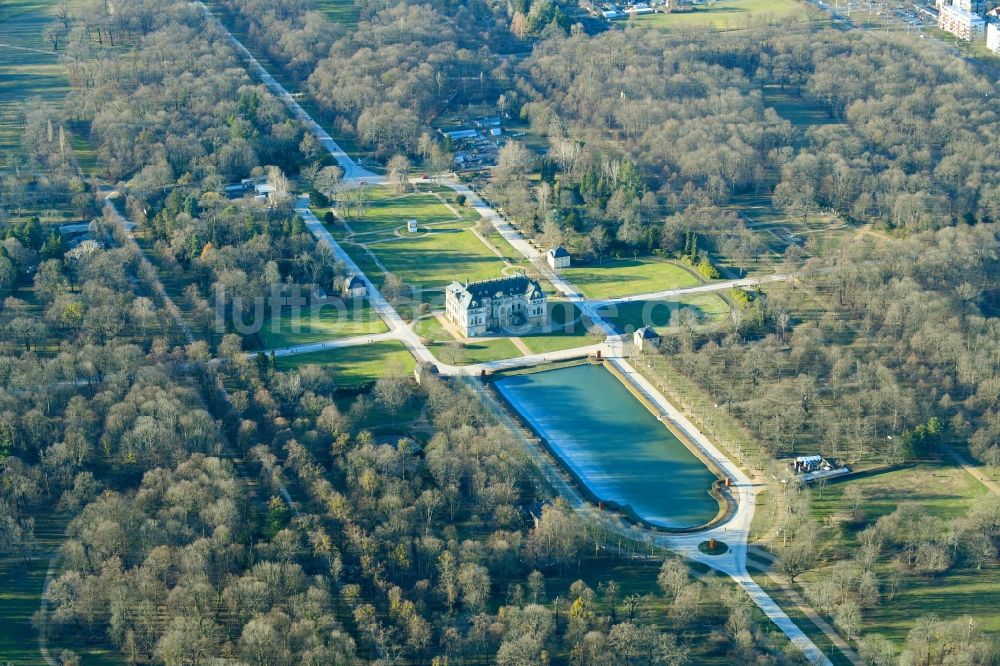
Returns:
<point x="388" y="211"/>
<point x="944" y="491"/>
<point x="660" y="314"/>
<point x="623" y="277"/>
<point x="435" y="260"/>
<point x="342" y="12"/>
<point x="29" y="67"/>
<point x="725" y="14"/>
<point x="356" y="366"/>
<point x="21" y="585"/>
<point x="323" y="322"/>
<point x="447" y="348"/>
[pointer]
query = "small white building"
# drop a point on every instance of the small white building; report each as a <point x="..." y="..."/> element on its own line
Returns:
<point x="807" y="463"/>
<point x="993" y="37"/>
<point x="645" y="336"/>
<point x="558" y="257"/>
<point x="354" y="287"/>
<point x="411" y="226"/>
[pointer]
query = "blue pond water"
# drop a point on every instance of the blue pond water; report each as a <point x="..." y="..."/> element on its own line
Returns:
<point x="616" y="447"/>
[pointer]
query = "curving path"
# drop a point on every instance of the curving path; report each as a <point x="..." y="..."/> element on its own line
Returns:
<point x="734" y="532"/>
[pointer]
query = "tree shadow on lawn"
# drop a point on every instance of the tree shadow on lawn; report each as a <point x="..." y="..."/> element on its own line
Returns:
<point x="629" y="317"/>
<point x="957" y="593"/>
<point x="708" y="11"/>
<point x="612" y="268"/>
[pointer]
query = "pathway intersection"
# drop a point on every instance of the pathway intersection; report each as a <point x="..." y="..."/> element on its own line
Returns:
<point x="734" y="531"/>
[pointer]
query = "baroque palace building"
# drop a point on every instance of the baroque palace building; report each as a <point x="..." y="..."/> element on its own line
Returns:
<point x="476" y="308"/>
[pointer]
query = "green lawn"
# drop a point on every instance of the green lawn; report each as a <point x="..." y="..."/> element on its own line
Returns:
<point x="945" y="491"/>
<point x="441" y="253"/>
<point x="446" y="348"/>
<point x="342" y="12"/>
<point x="388" y="211"/>
<point x="476" y="351"/>
<point x="30" y="73"/>
<point x="326" y="322"/>
<point x="627" y="317"/>
<point x="566" y="330"/>
<point x="25" y="73"/>
<point x="489" y="232"/>
<point x="21" y="585"/>
<point x="621" y="277"/>
<point x="353" y="366"/>
<point x="797" y="108"/>
<point x="725" y="14"/>
<point x="435" y="260"/>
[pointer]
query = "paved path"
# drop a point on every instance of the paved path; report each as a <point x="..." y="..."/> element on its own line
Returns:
<point x="734" y="531"/>
<point x="786" y="584"/>
<point x="521" y="347"/>
<point x="814" y="617"/>
<point x="351" y="169"/>
<point x="400" y="330"/>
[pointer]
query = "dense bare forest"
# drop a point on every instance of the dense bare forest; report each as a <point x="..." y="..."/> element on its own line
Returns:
<point x="218" y="507"/>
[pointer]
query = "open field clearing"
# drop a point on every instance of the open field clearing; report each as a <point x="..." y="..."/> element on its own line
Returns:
<point x="661" y="314"/>
<point x="449" y="349"/>
<point x="567" y="330"/>
<point x="342" y="12"/>
<point x="444" y="249"/>
<point x="435" y="260"/>
<point x="726" y="14"/>
<point x="21" y="585"/>
<point x="316" y="323"/>
<point x="622" y="277"/>
<point x="353" y="366"/>
<point x="29" y="67"/>
<point x="945" y="492"/>
<point x="387" y="212"/>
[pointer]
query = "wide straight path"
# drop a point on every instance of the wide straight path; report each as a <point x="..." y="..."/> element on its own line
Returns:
<point x="400" y="330"/>
<point x="734" y="531"/>
<point x="974" y="471"/>
<point x="352" y="171"/>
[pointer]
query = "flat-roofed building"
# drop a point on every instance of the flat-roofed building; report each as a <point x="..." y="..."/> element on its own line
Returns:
<point x="963" y="24"/>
